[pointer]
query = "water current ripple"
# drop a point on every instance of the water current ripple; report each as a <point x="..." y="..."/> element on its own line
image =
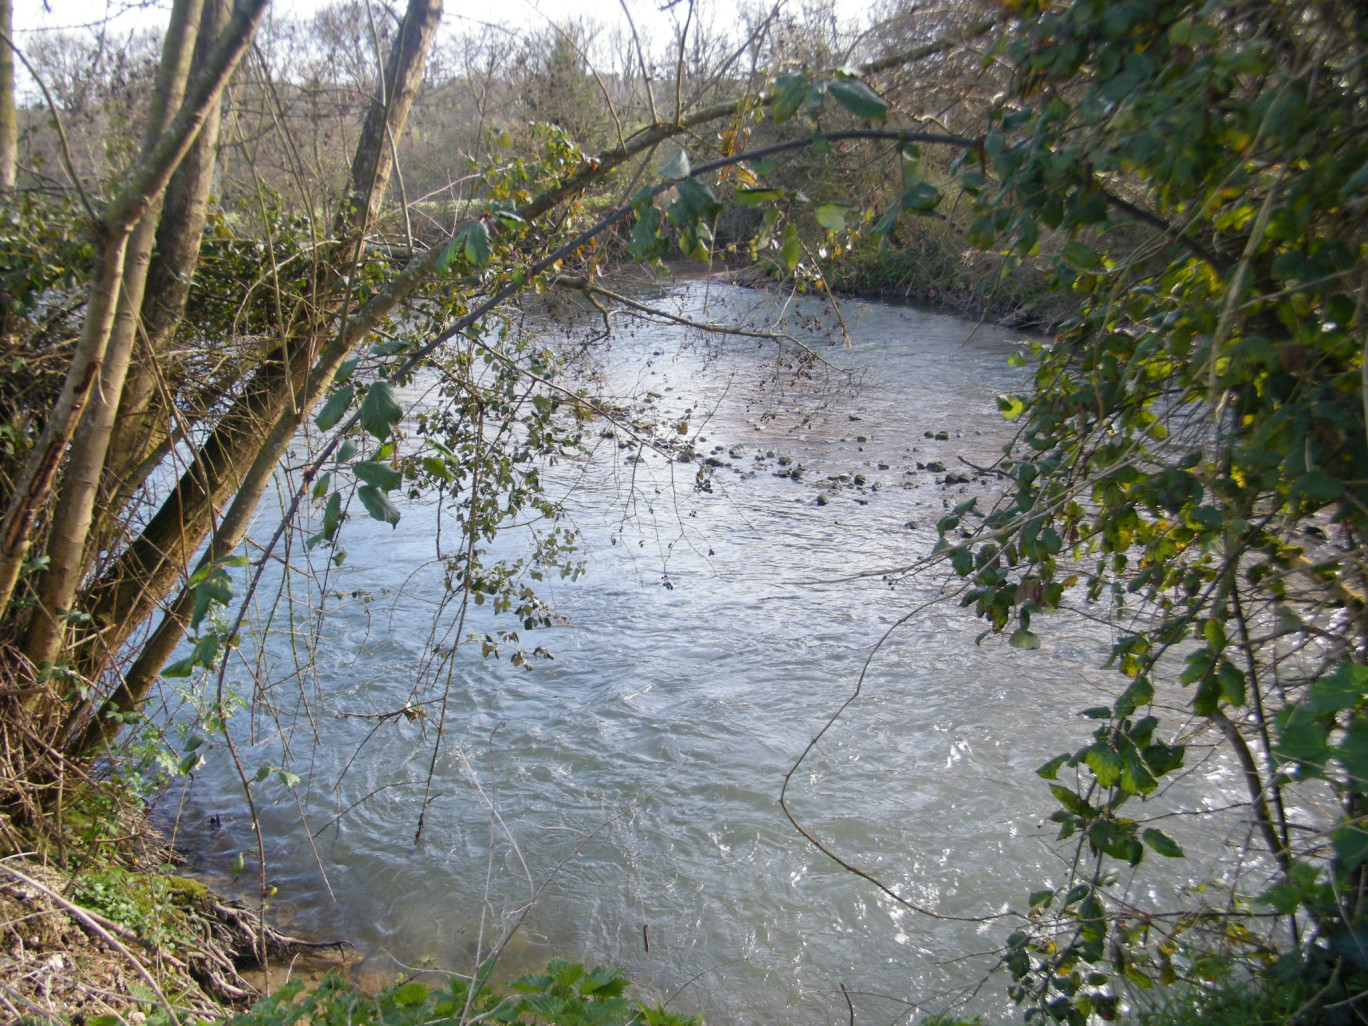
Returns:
<point x="669" y="716"/>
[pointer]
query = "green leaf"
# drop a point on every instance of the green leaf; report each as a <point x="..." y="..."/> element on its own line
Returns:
<point x="603" y="981"/>
<point x="1343" y="688"/>
<point x="1140" y="692"/>
<point x="1117" y="839"/>
<point x="962" y="561"/>
<point x="1050" y="771"/>
<point x="1351" y="845"/>
<point x="695" y="202"/>
<point x="410" y="994"/>
<point x="832" y="216"/>
<point x="858" y="98"/>
<point x="379" y="474"/>
<point x="1137" y="776"/>
<point x="346" y="451"/>
<point x="1072" y="802"/>
<point x="642" y="199"/>
<point x="1162" y="759"/>
<point x="1301" y="738"/>
<point x="334" y="408"/>
<point x="1162" y="843"/>
<point x="1232" y="684"/>
<point x="920" y="198"/>
<point x="1080" y="255"/>
<point x="1076" y="894"/>
<point x="1353" y="753"/>
<point x="790" y="249"/>
<point x="645" y="242"/>
<point x="1041" y="899"/>
<point x="454" y="248"/>
<point x="377" y="505"/>
<point x="289" y="779"/>
<point x="676" y="168"/>
<point x="477" y="249"/>
<point x="1215" y="634"/>
<point x="332" y="516"/>
<point x="1024" y="639"/>
<point x="1283" y="898"/>
<point x="1355" y="182"/>
<point x="885" y="225"/>
<point x="1105" y="762"/>
<point x="789" y="93"/>
<point x="816" y="94"/>
<point x="216" y="588"/>
<point x="380" y="411"/>
<point x="757" y="197"/>
<point x="1317" y="487"/>
<point x="1011" y="406"/>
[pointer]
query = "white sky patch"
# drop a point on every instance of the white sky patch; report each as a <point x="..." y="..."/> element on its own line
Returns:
<point x="124" y="15"/>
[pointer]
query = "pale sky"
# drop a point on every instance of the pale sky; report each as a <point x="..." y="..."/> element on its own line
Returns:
<point x="656" y="20"/>
<point x="30" y="15"/>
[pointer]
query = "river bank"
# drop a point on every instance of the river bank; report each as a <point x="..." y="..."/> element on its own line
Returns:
<point x="107" y="928"/>
<point x="932" y="273"/>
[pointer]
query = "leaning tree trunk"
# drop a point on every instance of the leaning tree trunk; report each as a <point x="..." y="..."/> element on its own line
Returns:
<point x="142" y="186"/>
<point x="141" y="429"/>
<point x="69" y="533"/>
<point x="128" y="596"/>
<point x="222" y="469"/>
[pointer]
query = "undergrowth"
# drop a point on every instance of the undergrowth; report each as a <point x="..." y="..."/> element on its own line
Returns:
<point x="565" y="994"/>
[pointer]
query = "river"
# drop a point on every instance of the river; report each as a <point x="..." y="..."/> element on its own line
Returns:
<point x="631" y="783"/>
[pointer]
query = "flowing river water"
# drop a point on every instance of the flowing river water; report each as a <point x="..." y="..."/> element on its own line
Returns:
<point x="631" y="784"/>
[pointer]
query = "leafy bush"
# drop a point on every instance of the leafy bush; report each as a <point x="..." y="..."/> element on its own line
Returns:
<point x="566" y="994"/>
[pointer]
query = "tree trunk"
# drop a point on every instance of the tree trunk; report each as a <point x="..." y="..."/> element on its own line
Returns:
<point x="235" y="465"/>
<point x="69" y="535"/>
<point x="141" y="430"/>
<point x="143" y="185"/>
<point x="152" y="565"/>
<point x="132" y="588"/>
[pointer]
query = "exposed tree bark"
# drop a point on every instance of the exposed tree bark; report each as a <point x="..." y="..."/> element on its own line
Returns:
<point x="144" y="184"/>
<point x="141" y="428"/>
<point x="150" y="568"/>
<point x="72" y="515"/>
<point x="373" y="161"/>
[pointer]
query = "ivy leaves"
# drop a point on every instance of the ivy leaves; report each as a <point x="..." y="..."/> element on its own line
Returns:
<point x="471" y="243"/>
<point x="378" y="416"/>
<point x="1124" y="761"/>
<point x="796" y="91"/>
<point x="1194" y="451"/>
<point x="565" y="993"/>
